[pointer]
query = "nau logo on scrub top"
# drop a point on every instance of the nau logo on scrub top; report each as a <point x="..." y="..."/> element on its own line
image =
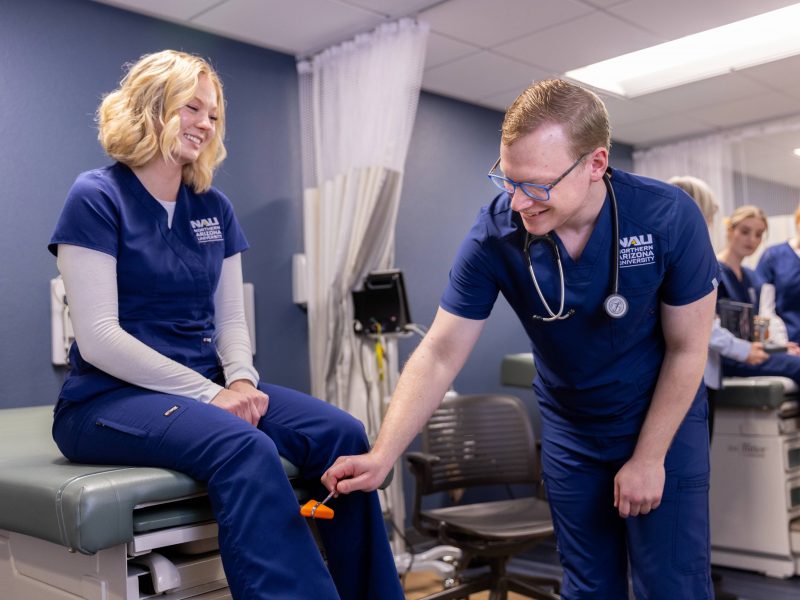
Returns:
<point x="636" y="250"/>
<point x="207" y="230"/>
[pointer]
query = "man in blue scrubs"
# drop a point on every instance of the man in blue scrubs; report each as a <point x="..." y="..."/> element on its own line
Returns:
<point x="624" y="433"/>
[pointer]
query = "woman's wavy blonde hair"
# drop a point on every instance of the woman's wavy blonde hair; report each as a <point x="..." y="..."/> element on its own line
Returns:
<point x="748" y="211"/>
<point x="700" y="193"/>
<point x="141" y="119"/>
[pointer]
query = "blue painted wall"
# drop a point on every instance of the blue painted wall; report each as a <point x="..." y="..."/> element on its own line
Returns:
<point x="57" y="58"/>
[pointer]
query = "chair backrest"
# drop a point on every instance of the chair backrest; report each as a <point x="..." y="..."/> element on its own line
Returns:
<point x="480" y="439"/>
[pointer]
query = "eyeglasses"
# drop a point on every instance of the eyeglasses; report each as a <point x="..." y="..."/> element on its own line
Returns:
<point x="531" y="190"/>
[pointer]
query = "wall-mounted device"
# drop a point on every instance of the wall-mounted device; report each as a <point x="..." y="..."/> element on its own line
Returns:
<point x="382" y="306"/>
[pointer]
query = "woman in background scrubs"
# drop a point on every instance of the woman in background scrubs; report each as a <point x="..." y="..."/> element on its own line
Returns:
<point x="723" y="342"/>
<point x="745" y="231"/>
<point x="780" y="266"/>
<point x="161" y="372"/>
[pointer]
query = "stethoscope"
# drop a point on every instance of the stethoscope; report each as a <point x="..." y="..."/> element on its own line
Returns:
<point x="615" y="304"/>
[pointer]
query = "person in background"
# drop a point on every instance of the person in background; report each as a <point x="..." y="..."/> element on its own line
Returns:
<point x="161" y="374"/>
<point x="779" y="266"/>
<point x="745" y="231"/>
<point x="619" y="360"/>
<point x="722" y="342"/>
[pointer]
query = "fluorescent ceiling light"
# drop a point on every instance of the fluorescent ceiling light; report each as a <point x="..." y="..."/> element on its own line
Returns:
<point x="796" y="151"/>
<point x="746" y="43"/>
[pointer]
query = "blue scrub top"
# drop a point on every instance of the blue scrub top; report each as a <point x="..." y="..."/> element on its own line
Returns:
<point x="746" y="290"/>
<point x="166" y="278"/>
<point x="780" y="266"/>
<point x="594" y="372"/>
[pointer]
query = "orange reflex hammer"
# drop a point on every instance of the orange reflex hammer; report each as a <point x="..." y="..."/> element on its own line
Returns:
<point x="317" y="510"/>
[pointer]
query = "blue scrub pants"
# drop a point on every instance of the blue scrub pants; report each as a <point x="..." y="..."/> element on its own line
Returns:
<point x="785" y="365"/>
<point x="667" y="549"/>
<point x="266" y="546"/>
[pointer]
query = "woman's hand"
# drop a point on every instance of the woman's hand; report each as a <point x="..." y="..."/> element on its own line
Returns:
<point x="757" y="354"/>
<point x="244" y="400"/>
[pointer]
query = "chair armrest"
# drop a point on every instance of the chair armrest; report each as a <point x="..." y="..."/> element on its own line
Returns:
<point x="421" y="466"/>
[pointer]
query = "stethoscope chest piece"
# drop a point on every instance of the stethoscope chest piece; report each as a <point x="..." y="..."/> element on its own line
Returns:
<point x="616" y="306"/>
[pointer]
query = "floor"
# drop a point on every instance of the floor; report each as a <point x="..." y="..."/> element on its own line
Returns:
<point x="422" y="583"/>
<point x="542" y="561"/>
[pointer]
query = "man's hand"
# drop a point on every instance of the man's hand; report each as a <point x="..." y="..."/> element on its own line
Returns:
<point x="243" y="400"/>
<point x="638" y="487"/>
<point x="352" y="473"/>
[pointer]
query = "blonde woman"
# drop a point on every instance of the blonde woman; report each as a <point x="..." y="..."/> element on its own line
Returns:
<point x="162" y="374"/>
<point x="746" y="228"/>
<point x="723" y="342"/>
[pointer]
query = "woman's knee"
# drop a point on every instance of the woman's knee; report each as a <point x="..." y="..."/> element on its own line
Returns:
<point x="351" y="432"/>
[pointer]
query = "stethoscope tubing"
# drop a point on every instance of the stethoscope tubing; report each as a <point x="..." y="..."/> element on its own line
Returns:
<point x="561" y="315"/>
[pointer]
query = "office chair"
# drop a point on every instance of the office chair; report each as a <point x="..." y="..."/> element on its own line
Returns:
<point x="477" y="440"/>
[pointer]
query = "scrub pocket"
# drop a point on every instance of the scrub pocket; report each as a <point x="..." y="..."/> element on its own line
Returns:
<point x="126" y="429"/>
<point x="643" y="305"/>
<point x="690" y="547"/>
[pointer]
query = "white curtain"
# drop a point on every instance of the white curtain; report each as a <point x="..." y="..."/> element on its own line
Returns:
<point x="708" y="158"/>
<point x="358" y="102"/>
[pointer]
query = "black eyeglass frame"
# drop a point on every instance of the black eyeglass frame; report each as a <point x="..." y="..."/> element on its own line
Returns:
<point x="544" y="190"/>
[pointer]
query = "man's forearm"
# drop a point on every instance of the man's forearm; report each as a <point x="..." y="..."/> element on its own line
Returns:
<point x="678" y="381"/>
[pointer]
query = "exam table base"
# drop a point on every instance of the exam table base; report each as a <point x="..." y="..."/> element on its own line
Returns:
<point x="755" y="482"/>
<point x="34" y="569"/>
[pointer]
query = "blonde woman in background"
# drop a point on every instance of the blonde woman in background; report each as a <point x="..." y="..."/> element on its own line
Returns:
<point x="723" y="343"/>
<point x="746" y="229"/>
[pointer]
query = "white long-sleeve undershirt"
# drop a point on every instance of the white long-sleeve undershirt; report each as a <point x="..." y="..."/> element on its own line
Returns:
<point x="90" y="280"/>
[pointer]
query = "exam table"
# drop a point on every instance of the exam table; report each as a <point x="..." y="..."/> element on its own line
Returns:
<point x="755" y="476"/>
<point x="99" y="532"/>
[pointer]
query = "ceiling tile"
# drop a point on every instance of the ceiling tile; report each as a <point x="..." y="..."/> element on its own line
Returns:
<point x="656" y="131"/>
<point x="479" y="75"/>
<point x="622" y="111"/>
<point x="504" y="99"/>
<point x="393" y="8"/>
<point x="707" y="92"/>
<point x="677" y="18"/>
<point x="275" y="24"/>
<point x="489" y="23"/>
<point x="776" y="75"/>
<point x="443" y="49"/>
<point x="760" y="107"/>
<point x="604" y="3"/>
<point x="547" y="49"/>
<point x="166" y="9"/>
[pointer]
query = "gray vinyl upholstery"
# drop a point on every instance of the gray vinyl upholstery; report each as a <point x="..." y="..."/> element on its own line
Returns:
<point x="83" y="507"/>
<point x="517" y="370"/>
<point x="767" y="393"/>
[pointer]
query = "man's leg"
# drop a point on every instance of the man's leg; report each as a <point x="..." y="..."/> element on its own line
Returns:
<point x="590" y="535"/>
<point x="670" y="547"/>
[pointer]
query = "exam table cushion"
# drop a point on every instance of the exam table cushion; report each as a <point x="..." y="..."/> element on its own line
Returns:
<point x="85" y="507"/>
<point x="765" y="392"/>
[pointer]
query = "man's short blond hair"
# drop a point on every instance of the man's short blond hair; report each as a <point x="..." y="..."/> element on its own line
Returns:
<point x="555" y="101"/>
